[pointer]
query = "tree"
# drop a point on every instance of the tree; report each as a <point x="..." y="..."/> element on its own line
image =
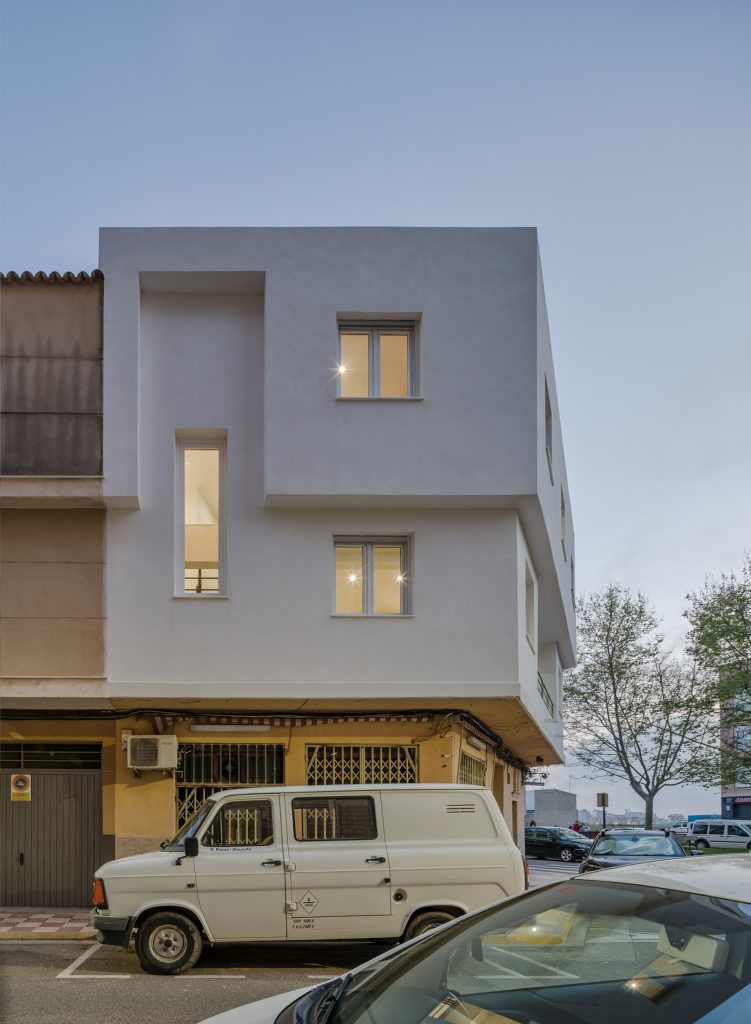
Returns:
<point x="719" y="639"/>
<point x="632" y="712"/>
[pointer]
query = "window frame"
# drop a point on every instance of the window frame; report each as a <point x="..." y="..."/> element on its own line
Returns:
<point x="368" y="543"/>
<point x="374" y="329"/>
<point x="332" y="798"/>
<point x="203" y="440"/>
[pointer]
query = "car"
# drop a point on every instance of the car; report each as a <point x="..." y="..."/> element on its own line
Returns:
<point x="620" y="846"/>
<point x="562" y="843"/>
<point x="719" y="832"/>
<point x="660" y="943"/>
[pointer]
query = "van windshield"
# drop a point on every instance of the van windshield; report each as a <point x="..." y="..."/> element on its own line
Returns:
<point x="191" y="826"/>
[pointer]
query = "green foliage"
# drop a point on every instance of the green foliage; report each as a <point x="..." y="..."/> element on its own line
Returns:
<point x="632" y="712"/>
<point x="719" y="639"/>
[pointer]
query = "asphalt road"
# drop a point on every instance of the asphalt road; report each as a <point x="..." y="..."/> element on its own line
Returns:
<point x="41" y="985"/>
<point x="85" y="983"/>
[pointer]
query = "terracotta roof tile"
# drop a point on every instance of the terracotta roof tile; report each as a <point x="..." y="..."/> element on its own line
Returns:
<point x="54" y="277"/>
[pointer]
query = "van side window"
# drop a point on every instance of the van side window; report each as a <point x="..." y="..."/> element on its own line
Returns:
<point x="700" y="828"/>
<point x="717" y="830"/>
<point x="736" y="830"/>
<point x="334" y="817"/>
<point x="241" y="823"/>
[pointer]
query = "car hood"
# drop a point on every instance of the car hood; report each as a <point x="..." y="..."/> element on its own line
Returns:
<point x="614" y="861"/>
<point x="263" y="1011"/>
<point x="138" y="864"/>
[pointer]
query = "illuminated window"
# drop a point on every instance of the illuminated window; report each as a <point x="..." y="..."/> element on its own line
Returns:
<point x="377" y="360"/>
<point x="371" y="576"/>
<point x="200" y="470"/>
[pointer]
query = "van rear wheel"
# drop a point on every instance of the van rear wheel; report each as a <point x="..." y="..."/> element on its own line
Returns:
<point x="422" y="923"/>
<point x="168" y="943"/>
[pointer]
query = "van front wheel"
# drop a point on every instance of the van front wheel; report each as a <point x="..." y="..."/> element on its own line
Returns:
<point x="422" y="923"/>
<point x="168" y="944"/>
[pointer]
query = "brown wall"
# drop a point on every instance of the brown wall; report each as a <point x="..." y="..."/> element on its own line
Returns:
<point x="51" y="592"/>
<point x="51" y="376"/>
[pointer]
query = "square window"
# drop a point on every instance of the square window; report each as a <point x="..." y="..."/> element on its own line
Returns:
<point x="371" y="576"/>
<point x="377" y="360"/>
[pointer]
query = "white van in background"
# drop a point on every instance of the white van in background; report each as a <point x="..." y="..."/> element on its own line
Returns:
<point x="719" y="832"/>
<point x="335" y="862"/>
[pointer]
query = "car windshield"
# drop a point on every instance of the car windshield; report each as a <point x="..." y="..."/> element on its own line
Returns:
<point x="579" y="951"/>
<point x="636" y="846"/>
<point x="191" y="826"/>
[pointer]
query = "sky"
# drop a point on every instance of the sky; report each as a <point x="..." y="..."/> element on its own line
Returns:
<point x="620" y="130"/>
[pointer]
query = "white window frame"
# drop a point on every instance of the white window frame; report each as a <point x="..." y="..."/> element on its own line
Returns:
<point x="375" y="329"/>
<point x="217" y="441"/>
<point x="368" y="543"/>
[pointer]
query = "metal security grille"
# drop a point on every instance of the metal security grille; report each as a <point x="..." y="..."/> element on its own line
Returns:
<point x="207" y="768"/>
<point x="471" y="770"/>
<point x="28" y="757"/>
<point x="334" y="765"/>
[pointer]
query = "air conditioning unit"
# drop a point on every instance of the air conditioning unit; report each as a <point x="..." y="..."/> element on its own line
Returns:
<point x="155" y="753"/>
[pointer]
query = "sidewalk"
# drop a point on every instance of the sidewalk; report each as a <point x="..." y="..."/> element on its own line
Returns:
<point x="37" y="923"/>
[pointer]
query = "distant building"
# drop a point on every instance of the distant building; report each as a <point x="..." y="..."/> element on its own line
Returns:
<point x="551" y="807"/>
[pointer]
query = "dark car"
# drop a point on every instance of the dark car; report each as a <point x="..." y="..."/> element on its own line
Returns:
<point x="630" y="846"/>
<point x="562" y="843"/>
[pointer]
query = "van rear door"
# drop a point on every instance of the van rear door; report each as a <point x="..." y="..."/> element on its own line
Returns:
<point x="240" y="873"/>
<point x="338" y="874"/>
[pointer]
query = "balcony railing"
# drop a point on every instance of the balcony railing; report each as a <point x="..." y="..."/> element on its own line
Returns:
<point x="545" y="694"/>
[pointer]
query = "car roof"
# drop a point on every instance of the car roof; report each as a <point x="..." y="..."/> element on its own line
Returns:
<point x="633" y="832"/>
<point x="727" y="877"/>
<point x="381" y="787"/>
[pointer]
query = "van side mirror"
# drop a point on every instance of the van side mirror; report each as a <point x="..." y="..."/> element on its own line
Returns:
<point x="190" y="849"/>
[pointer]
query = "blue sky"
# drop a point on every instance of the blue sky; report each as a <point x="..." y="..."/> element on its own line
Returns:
<point x="621" y="130"/>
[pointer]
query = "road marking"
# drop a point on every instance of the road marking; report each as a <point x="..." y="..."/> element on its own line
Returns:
<point x="68" y="972"/>
<point x="327" y="977"/>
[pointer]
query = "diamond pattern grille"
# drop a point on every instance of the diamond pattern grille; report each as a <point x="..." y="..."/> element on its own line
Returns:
<point x="341" y="765"/>
<point x="207" y="768"/>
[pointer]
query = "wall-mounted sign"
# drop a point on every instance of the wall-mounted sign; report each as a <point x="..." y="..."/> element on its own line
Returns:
<point x="20" y="787"/>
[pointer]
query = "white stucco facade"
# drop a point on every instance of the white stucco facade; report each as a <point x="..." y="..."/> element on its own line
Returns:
<point x="232" y="333"/>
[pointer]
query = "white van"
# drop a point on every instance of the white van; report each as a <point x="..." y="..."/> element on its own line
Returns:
<point x="719" y="832"/>
<point x="335" y="862"/>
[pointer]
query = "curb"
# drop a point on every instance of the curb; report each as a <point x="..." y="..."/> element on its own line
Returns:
<point x="81" y="936"/>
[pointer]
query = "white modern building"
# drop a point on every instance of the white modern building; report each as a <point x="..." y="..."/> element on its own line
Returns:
<point x="339" y="544"/>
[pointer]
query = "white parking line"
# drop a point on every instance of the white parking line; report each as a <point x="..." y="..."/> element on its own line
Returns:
<point x="68" y="973"/>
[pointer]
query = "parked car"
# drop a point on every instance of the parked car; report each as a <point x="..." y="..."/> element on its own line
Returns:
<point x="660" y="943"/>
<point x="562" y="843"/>
<point x="719" y="832"/>
<point x="621" y="846"/>
<point x="680" y="828"/>
<point x="309" y="863"/>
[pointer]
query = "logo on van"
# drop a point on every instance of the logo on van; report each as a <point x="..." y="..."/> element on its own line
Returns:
<point x="309" y="902"/>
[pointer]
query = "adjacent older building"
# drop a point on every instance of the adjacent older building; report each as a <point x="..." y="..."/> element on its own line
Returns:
<point x="339" y="544"/>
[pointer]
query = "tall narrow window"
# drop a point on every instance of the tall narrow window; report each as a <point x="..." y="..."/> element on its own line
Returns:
<point x="548" y="431"/>
<point x="529" y="607"/>
<point x="377" y="360"/>
<point x="563" y="524"/>
<point x="372" y="576"/>
<point x="201" y="471"/>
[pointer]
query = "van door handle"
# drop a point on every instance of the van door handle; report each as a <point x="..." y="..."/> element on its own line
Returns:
<point x="375" y="860"/>
<point x="271" y="863"/>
